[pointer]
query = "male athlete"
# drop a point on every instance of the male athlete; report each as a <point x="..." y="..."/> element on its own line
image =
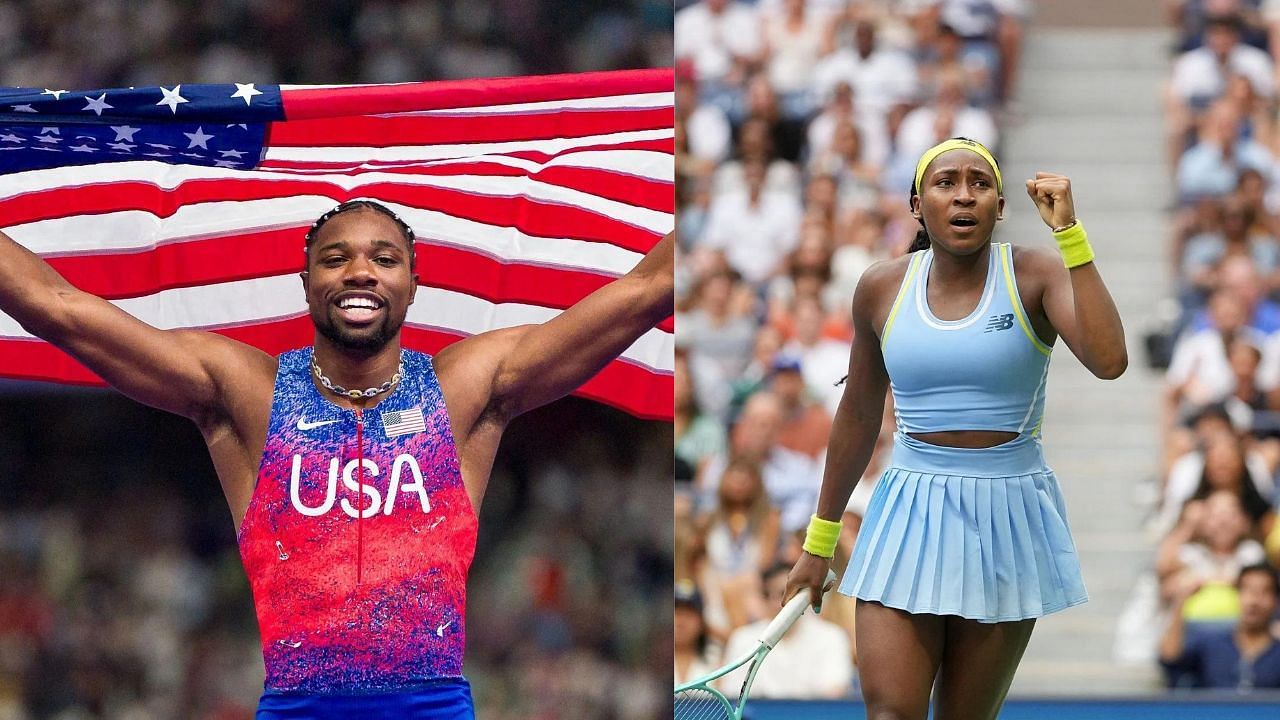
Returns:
<point x="353" y="469"/>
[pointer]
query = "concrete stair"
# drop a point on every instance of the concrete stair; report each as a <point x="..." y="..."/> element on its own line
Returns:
<point x="1090" y="106"/>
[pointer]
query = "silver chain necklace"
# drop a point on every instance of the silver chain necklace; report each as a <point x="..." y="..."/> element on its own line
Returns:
<point x="357" y="394"/>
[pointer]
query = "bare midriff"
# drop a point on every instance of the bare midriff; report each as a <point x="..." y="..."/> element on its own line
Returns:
<point x="966" y="438"/>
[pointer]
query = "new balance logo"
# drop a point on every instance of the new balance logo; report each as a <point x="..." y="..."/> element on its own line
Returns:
<point x="999" y="322"/>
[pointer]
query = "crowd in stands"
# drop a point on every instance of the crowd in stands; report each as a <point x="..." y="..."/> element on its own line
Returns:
<point x="798" y="126"/>
<point x="1219" y="543"/>
<point x="122" y="594"/>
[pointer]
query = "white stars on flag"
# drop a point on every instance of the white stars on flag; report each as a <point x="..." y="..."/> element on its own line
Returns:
<point x="83" y="148"/>
<point x="246" y="91"/>
<point x="10" y="137"/>
<point x="57" y="94"/>
<point x="97" y="104"/>
<point x="22" y="108"/>
<point x="198" y="139"/>
<point x="124" y="132"/>
<point x="172" y="98"/>
<point x="121" y="146"/>
<point x="237" y="154"/>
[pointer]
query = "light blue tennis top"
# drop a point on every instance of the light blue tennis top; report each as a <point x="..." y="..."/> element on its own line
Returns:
<point x="983" y="372"/>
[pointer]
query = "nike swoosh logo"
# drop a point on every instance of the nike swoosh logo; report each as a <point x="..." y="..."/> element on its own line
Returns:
<point x="304" y="426"/>
<point x="440" y="628"/>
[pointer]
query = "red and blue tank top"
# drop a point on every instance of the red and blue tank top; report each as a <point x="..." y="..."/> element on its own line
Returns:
<point x="358" y="537"/>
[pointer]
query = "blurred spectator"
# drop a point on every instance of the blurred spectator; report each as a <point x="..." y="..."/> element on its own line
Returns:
<point x="790" y="478"/>
<point x="739" y="540"/>
<point x="1200" y="75"/>
<point x="947" y="116"/>
<point x="1206" y="552"/>
<point x="755" y="145"/>
<point x="806" y="425"/>
<point x="1200" y="373"/>
<point x="840" y="108"/>
<point x="694" y="656"/>
<point x="721" y="38"/>
<point x="755" y="228"/>
<point x="697" y="436"/>
<point x="717" y="329"/>
<point x="1238" y="236"/>
<point x="813" y="659"/>
<point x="823" y="360"/>
<point x="709" y="136"/>
<point x="1242" y="657"/>
<point x="947" y="55"/>
<point x="990" y="28"/>
<point x="1191" y="16"/>
<point x="1222" y="464"/>
<point x="793" y="41"/>
<point x="1212" y="166"/>
<point x="881" y="77"/>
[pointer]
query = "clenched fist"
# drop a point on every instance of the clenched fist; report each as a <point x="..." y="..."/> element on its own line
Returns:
<point x="1052" y="196"/>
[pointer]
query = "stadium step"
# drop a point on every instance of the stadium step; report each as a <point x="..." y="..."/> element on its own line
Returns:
<point x="1090" y="107"/>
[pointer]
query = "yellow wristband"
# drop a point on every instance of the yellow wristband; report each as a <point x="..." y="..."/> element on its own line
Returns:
<point x="1074" y="245"/>
<point x="820" y="539"/>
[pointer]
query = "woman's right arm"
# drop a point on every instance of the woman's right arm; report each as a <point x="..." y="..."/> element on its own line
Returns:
<point x="857" y="421"/>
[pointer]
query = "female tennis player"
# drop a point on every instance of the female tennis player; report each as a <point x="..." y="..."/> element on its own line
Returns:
<point x="965" y="541"/>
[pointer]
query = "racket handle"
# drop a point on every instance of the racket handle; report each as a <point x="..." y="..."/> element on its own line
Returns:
<point x="791" y="612"/>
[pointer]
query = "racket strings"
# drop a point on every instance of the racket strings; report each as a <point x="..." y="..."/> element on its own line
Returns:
<point x="701" y="704"/>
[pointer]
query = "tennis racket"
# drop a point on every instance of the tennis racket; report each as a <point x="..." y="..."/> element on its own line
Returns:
<point x="697" y="700"/>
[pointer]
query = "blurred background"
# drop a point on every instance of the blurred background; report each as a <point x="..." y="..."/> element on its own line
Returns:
<point x="121" y="589"/>
<point x="799" y="123"/>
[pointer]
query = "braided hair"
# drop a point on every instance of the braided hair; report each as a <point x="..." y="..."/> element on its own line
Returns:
<point x="350" y="205"/>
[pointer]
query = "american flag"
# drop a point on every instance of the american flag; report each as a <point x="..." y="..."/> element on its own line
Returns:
<point x="186" y="205"/>
<point x="403" y="422"/>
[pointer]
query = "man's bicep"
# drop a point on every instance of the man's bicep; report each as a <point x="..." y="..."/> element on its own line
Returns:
<point x="173" y="370"/>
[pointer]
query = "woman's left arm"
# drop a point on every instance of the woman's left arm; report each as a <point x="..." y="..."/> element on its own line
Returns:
<point x="1076" y="301"/>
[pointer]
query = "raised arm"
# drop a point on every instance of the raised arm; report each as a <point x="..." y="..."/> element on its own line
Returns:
<point x="1076" y="301"/>
<point x="170" y="370"/>
<point x="542" y="363"/>
<point x="856" y="424"/>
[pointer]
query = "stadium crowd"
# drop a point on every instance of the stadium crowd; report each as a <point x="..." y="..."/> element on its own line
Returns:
<point x="1215" y="507"/>
<point x="121" y="590"/>
<point x="798" y="125"/>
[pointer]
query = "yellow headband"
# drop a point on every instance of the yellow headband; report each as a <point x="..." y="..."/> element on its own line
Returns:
<point x="957" y="144"/>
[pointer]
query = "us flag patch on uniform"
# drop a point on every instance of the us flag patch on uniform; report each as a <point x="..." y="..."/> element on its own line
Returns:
<point x="403" y="422"/>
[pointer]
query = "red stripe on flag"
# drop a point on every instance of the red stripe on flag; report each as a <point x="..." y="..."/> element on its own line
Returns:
<point x="632" y="189"/>
<point x="277" y="252"/>
<point x="532" y="217"/>
<point x="628" y="387"/>
<point x="381" y="132"/>
<point x="363" y="100"/>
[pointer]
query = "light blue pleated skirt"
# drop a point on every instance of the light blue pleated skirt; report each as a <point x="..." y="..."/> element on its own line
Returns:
<point x="980" y="533"/>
